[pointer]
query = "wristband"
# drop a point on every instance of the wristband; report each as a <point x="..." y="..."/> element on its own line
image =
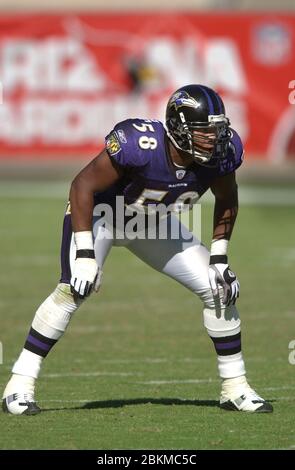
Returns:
<point x="219" y="247"/>
<point x="84" y="240"/>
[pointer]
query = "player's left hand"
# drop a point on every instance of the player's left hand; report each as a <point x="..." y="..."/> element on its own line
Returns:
<point x="220" y="274"/>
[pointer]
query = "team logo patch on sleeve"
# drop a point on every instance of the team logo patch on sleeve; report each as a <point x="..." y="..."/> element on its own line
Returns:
<point x="112" y="144"/>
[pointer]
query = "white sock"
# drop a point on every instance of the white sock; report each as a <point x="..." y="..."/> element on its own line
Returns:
<point x="231" y="366"/>
<point x="234" y="387"/>
<point x="28" y="364"/>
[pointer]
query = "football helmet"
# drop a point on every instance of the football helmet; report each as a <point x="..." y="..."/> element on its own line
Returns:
<point x="196" y="123"/>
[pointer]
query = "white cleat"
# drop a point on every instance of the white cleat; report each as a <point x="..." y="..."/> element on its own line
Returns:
<point x="18" y="396"/>
<point x="237" y="395"/>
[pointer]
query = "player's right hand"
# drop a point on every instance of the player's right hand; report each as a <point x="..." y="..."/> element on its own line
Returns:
<point x="221" y="274"/>
<point x="84" y="274"/>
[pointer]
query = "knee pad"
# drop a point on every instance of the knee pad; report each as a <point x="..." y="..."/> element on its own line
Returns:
<point x="63" y="298"/>
<point x="223" y="321"/>
<point x="54" y="314"/>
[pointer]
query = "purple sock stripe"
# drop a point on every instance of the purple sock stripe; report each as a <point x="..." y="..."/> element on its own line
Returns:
<point x="39" y="344"/>
<point x="229" y="345"/>
<point x="210" y="103"/>
<point x="42" y="338"/>
<point x="225" y="339"/>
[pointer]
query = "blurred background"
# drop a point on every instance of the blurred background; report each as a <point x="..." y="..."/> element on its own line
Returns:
<point x="71" y="69"/>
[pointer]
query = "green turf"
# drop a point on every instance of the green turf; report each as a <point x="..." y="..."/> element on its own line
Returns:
<point x="136" y="369"/>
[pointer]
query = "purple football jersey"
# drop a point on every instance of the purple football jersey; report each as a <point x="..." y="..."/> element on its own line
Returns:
<point x="140" y="148"/>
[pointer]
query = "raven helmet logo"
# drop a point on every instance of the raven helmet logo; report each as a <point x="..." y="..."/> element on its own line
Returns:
<point x="182" y="98"/>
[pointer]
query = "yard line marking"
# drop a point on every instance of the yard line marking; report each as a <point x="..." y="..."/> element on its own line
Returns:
<point x="64" y="401"/>
<point x="175" y="360"/>
<point x="186" y="381"/>
<point x="145" y="360"/>
<point x="91" y="374"/>
<point x="128" y="374"/>
<point x="284" y="387"/>
<point x="285" y="399"/>
<point x="156" y="360"/>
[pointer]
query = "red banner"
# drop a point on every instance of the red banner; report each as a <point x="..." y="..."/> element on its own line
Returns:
<point x="67" y="79"/>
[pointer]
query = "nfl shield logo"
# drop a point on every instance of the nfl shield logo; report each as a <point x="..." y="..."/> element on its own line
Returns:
<point x="180" y="174"/>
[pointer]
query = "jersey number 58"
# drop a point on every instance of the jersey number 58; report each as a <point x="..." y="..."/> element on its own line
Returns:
<point x="144" y="141"/>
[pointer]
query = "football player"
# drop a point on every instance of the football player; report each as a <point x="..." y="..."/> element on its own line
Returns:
<point x="149" y="163"/>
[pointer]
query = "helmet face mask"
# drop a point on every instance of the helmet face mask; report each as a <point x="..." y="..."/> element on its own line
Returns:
<point x="196" y="123"/>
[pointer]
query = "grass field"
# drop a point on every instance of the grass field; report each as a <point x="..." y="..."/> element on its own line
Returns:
<point x="136" y="368"/>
